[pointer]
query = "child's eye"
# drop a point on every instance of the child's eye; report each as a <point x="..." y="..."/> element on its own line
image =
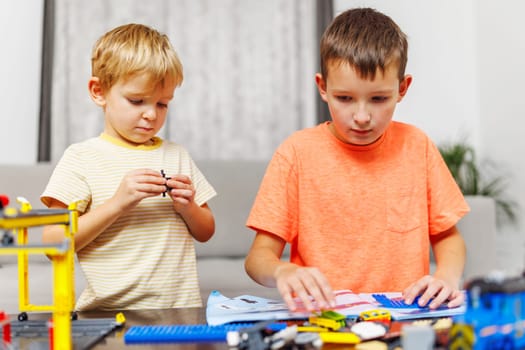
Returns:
<point x="135" y="101"/>
<point x="379" y="98"/>
<point x="162" y="105"/>
<point x="344" y="98"/>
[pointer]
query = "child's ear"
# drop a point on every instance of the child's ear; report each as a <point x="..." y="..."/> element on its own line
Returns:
<point x="321" y="86"/>
<point x="403" y="86"/>
<point x="96" y="92"/>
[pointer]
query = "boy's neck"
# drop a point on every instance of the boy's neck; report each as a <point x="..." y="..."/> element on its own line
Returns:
<point x="154" y="142"/>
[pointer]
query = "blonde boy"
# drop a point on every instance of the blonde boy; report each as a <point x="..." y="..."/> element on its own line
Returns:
<point x="134" y="242"/>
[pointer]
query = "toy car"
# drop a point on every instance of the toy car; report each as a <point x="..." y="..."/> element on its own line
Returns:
<point x="324" y="322"/>
<point x="328" y="319"/>
<point x="380" y="315"/>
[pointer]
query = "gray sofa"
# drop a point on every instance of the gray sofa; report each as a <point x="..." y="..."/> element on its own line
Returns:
<point x="220" y="261"/>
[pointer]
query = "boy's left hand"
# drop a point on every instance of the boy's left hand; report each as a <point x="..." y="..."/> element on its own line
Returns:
<point x="181" y="191"/>
<point x="435" y="290"/>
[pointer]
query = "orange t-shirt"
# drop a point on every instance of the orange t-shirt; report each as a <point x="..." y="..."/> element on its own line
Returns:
<point x="361" y="214"/>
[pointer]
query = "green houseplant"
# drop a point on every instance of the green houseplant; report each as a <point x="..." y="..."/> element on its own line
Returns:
<point x="473" y="180"/>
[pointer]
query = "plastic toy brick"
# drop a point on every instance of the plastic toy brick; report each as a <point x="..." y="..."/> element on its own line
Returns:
<point x="494" y="318"/>
<point x="339" y="337"/>
<point x="336" y="316"/>
<point x="85" y="333"/>
<point x="6" y="327"/>
<point x="312" y="329"/>
<point x="4" y="201"/>
<point x="325" y="322"/>
<point x="167" y="178"/>
<point x="400" y="304"/>
<point x="380" y="315"/>
<point x="186" y="333"/>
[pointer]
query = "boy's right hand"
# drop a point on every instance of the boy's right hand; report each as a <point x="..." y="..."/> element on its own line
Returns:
<point x="306" y="283"/>
<point x="137" y="185"/>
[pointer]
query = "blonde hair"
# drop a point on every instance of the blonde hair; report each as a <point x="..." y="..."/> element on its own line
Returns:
<point x="135" y="49"/>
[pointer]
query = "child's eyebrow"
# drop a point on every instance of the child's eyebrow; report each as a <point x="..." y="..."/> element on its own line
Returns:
<point x="373" y="92"/>
<point x="383" y="92"/>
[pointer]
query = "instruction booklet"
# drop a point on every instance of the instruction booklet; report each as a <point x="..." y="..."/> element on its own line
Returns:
<point x="221" y="309"/>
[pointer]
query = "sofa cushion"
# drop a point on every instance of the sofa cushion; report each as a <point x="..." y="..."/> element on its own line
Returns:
<point x="228" y="277"/>
<point x="236" y="183"/>
<point x="27" y="181"/>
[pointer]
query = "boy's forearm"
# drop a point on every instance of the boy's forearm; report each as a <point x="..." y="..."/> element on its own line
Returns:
<point x="90" y="225"/>
<point x="94" y="222"/>
<point x="450" y="254"/>
<point x="200" y="222"/>
<point x="261" y="267"/>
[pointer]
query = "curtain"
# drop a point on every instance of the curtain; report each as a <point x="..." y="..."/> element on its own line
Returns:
<point x="46" y="76"/>
<point x="249" y="70"/>
<point x="325" y="14"/>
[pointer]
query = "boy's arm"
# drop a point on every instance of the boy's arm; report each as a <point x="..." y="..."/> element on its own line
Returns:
<point x="199" y="219"/>
<point x="450" y="254"/>
<point x="90" y="224"/>
<point x="264" y="258"/>
<point x="134" y="187"/>
<point x="264" y="266"/>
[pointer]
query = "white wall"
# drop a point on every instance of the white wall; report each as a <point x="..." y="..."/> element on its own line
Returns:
<point x="21" y="27"/>
<point x="500" y="54"/>
<point x="443" y="99"/>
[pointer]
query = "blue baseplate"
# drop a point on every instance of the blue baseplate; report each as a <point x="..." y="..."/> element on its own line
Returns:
<point x="400" y="304"/>
<point x="186" y="333"/>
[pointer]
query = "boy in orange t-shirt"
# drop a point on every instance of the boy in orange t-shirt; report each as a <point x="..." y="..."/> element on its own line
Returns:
<point x="361" y="198"/>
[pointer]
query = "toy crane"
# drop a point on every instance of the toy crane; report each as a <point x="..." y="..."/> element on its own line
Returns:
<point x="18" y="221"/>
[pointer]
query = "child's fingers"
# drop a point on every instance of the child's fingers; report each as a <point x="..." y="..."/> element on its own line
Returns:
<point x="180" y="178"/>
<point x="326" y="294"/>
<point x="181" y="188"/>
<point x="321" y="293"/>
<point x="304" y="296"/>
<point x="315" y="287"/>
<point x="293" y="288"/>
<point x="287" y="295"/>
<point x="415" y="289"/>
<point x="456" y="299"/>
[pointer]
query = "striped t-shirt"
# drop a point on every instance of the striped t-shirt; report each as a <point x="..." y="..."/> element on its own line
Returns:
<point x="146" y="258"/>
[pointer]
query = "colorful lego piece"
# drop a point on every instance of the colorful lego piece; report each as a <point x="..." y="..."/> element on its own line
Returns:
<point x="495" y="316"/>
<point x="328" y="319"/>
<point x="418" y="337"/>
<point x="6" y="327"/>
<point x="260" y="337"/>
<point x="380" y="315"/>
<point x="339" y="337"/>
<point x="167" y="178"/>
<point x="398" y="303"/>
<point x="187" y="333"/>
<point x="367" y="330"/>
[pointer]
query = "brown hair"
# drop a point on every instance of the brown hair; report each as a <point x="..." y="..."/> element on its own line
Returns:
<point x="367" y="40"/>
<point x="132" y="49"/>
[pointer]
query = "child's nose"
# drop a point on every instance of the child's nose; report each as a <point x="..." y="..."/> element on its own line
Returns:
<point x="362" y="117"/>
<point x="150" y="114"/>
